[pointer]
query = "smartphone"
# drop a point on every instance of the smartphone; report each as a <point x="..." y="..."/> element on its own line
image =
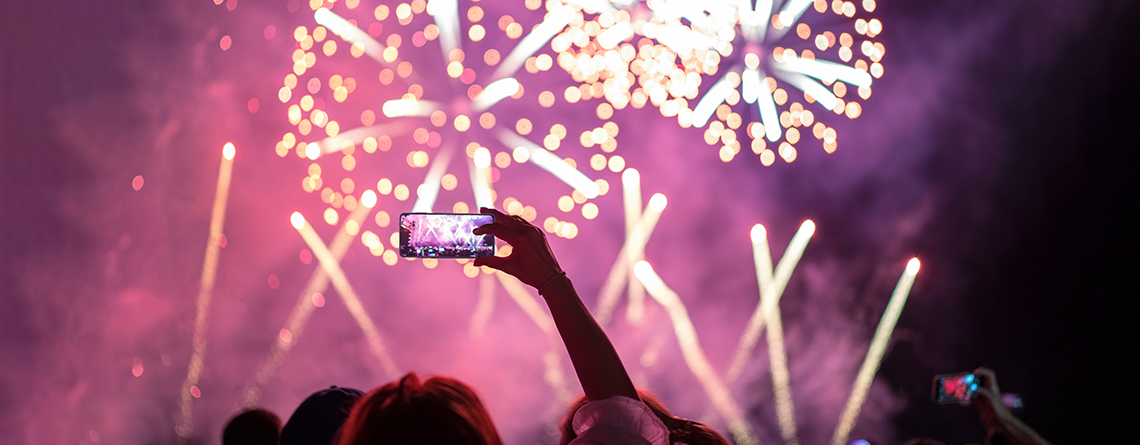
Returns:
<point x="444" y="235"/>
<point x="955" y="388"/>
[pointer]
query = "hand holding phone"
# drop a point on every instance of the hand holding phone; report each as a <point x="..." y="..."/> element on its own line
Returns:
<point x="967" y="386"/>
<point x="444" y="235"/>
<point x="531" y="260"/>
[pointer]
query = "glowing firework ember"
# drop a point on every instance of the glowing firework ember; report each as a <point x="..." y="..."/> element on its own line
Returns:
<point x="412" y="102"/>
<point x="766" y="54"/>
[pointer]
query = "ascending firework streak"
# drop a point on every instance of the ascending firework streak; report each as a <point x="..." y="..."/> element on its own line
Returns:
<point x="611" y="288"/>
<point x="694" y="355"/>
<point x="309" y="300"/>
<point x="631" y="197"/>
<point x="771" y="287"/>
<point x="768" y="314"/>
<point x="340" y="282"/>
<point x="875" y="354"/>
<point x="484" y="307"/>
<point x="190" y="389"/>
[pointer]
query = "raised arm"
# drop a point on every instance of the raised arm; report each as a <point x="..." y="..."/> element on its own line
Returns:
<point x="595" y="361"/>
<point x="999" y="421"/>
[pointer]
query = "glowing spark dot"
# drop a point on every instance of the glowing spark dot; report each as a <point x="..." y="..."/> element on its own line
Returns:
<point x="285" y="336"/>
<point x="590" y="210"/>
<point x="912" y="266"/>
<point x="137" y="183"/>
<point x="401" y="192"/>
<point x="368" y="198"/>
<point x="136" y="368"/>
<point x="225" y="43"/>
<point x="273" y="281"/>
<point x="482" y="157"/>
<point x="616" y="163"/>
<point x="228" y="151"/>
<point x="657" y="202"/>
<point x="194" y="391"/>
<point x="758" y="233"/>
<point x="298" y="222"/>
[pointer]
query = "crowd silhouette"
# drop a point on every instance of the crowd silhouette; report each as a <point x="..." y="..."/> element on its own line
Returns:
<point x="444" y="410"/>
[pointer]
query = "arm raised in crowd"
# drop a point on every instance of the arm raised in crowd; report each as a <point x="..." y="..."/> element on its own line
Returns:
<point x="999" y="421"/>
<point x="595" y="360"/>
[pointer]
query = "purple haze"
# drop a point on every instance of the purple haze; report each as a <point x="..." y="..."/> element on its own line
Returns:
<point x="102" y="274"/>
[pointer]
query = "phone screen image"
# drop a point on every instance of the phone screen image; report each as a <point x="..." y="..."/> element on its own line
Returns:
<point x="444" y="235"/>
<point x="955" y="388"/>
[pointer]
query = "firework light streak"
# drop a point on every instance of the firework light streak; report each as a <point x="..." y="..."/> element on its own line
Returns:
<point x="334" y="144"/>
<point x="555" y="21"/>
<point x="303" y="309"/>
<point x="631" y="197"/>
<point x="875" y="353"/>
<point x="693" y="353"/>
<point x="496" y="91"/>
<point x="409" y="108"/>
<point x="350" y="33"/>
<point x="778" y="360"/>
<point x="553" y="164"/>
<point x="351" y="301"/>
<point x="708" y="104"/>
<point x="767" y="315"/>
<point x="770" y="289"/>
<point x="484" y="307"/>
<point x="429" y="190"/>
<point x="621" y="270"/>
<point x="214" y="241"/>
<point x="481" y="184"/>
<point x="446" y="13"/>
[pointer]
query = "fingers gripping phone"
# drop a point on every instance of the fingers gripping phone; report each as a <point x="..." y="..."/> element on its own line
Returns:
<point x="444" y="235"/>
<point x="955" y="388"/>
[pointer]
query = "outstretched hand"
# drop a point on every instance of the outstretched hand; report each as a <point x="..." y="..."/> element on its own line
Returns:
<point x="988" y="400"/>
<point x="531" y="260"/>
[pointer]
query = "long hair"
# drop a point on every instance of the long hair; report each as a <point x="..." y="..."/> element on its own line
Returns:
<point x="681" y="431"/>
<point x="440" y="410"/>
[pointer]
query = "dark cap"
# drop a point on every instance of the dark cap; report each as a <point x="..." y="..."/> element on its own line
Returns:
<point x="319" y="417"/>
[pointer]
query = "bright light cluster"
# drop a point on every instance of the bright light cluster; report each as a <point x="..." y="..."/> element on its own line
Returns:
<point x="782" y="66"/>
<point x="355" y="115"/>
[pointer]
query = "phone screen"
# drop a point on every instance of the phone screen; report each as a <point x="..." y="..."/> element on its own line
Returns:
<point x="955" y="388"/>
<point x="444" y="235"/>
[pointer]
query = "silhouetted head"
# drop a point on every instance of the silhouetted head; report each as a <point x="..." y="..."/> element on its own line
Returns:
<point x="317" y="419"/>
<point x="683" y="431"/>
<point x="254" y="426"/>
<point x="439" y="410"/>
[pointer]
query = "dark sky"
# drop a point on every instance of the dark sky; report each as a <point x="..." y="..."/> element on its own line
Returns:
<point x="996" y="150"/>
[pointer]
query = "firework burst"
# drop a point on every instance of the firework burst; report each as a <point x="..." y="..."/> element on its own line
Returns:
<point x="427" y="106"/>
<point x="765" y="55"/>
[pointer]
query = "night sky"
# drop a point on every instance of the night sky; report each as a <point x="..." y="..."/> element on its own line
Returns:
<point x="993" y="149"/>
